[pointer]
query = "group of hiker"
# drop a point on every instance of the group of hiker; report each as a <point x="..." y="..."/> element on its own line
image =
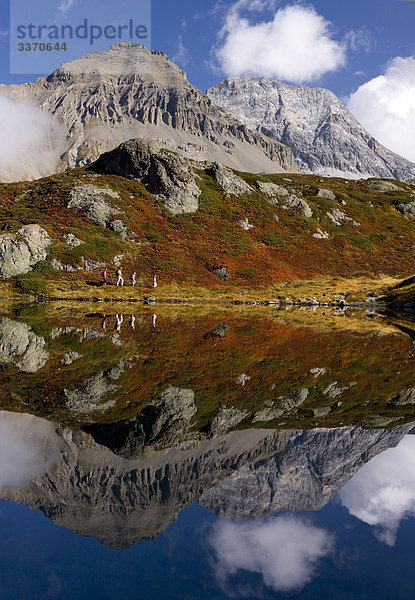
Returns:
<point x="120" y="278"/>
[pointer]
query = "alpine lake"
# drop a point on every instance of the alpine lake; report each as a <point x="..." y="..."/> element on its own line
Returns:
<point x="173" y="452"/>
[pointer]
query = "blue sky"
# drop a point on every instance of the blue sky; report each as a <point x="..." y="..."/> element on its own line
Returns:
<point x="389" y="25"/>
<point x="362" y="50"/>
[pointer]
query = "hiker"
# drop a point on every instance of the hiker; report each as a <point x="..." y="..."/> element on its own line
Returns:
<point x="104" y="324"/>
<point x="132" y="322"/>
<point x="105" y="276"/>
<point x="133" y="279"/>
<point x="155" y="281"/>
<point x="154" y="320"/>
<point x="120" y="279"/>
<point x="119" y="319"/>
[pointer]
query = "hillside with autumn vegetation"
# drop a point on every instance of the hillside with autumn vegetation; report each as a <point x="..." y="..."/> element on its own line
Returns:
<point x="257" y="240"/>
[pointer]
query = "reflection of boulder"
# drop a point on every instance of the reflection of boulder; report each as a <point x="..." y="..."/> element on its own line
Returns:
<point x="20" y="346"/>
<point x="405" y="397"/>
<point x="159" y="425"/>
<point x="226" y="419"/>
<point x="88" y="399"/>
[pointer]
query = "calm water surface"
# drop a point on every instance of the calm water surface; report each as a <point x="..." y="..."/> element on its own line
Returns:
<point x="178" y="455"/>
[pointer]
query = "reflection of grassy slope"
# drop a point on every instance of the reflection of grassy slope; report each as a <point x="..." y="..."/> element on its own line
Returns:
<point x="184" y="250"/>
<point x="402" y="294"/>
<point x="181" y="352"/>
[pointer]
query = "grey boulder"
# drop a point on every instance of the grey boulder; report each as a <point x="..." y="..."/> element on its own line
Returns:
<point x="20" y="251"/>
<point x="161" y="171"/>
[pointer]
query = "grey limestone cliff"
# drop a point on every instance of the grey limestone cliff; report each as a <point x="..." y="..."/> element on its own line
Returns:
<point x="324" y="136"/>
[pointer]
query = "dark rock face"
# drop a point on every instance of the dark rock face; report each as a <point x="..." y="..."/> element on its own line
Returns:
<point x="159" y="425"/>
<point x="161" y="171"/>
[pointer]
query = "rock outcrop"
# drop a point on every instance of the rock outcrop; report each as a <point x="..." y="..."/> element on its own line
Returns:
<point x="324" y="136"/>
<point x="20" y="251"/>
<point x="337" y="216"/>
<point x="96" y="203"/>
<point x="161" y="171"/>
<point x="232" y="184"/>
<point x="407" y="209"/>
<point x="277" y="193"/>
<point x="106" y="98"/>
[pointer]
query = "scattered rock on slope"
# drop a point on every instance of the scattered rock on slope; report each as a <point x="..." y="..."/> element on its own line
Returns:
<point x="222" y="273"/>
<point x="20" y="251"/>
<point x="98" y="208"/>
<point x="322" y="193"/>
<point x="383" y="186"/>
<point x="336" y="216"/>
<point x="161" y="171"/>
<point x="232" y="184"/>
<point x="290" y="200"/>
<point x="408" y="209"/>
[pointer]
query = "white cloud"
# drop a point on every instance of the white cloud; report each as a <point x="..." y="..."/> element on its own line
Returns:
<point x="182" y="54"/>
<point x="385" y="106"/>
<point x="359" y="39"/>
<point x="383" y="491"/>
<point x="284" y="550"/>
<point x="65" y="6"/>
<point x="296" y="45"/>
<point x="30" y="142"/>
<point x="24" y="448"/>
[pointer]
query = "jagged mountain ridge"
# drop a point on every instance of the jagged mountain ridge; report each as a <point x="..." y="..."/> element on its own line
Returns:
<point x="95" y="493"/>
<point x="106" y="98"/>
<point x="324" y="136"/>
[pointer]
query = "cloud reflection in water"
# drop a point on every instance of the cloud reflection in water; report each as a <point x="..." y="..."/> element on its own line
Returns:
<point x="284" y="550"/>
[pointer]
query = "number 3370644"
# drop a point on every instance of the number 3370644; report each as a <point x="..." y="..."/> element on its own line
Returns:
<point x="41" y="47"/>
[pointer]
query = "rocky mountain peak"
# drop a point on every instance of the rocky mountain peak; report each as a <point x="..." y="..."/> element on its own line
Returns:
<point x="324" y="136"/>
<point x="126" y="60"/>
<point x="106" y="98"/>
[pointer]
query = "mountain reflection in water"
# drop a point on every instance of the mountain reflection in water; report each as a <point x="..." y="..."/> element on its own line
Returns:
<point x="246" y="429"/>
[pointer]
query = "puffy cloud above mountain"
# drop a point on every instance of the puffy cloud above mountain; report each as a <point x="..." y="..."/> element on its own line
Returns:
<point x="30" y="141"/>
<point x="296" y="45"/>
<point x="382" y="493"/>
<point x="385" y="106"/>
<point x="284" y="550"/>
